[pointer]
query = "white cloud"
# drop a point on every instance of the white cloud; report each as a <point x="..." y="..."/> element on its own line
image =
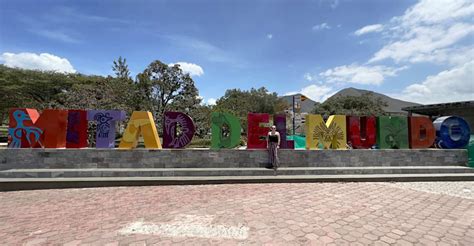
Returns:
<point x="455" y="84"/>
<point x="269" y="36"/>
<point x="316" y="93"/>
<point x="321" y="26"/>
<point x="436" y="11"/>
<point x="450" y="56"/>
<point x="369" y="29"/>
<point x="425" y="29"/>
<point x="211" y="101"/>
<point x="43" y="61"/>
<point x="309" y="77"/>
<point x="191" y="68"/>
<point x="423" y="42"/>
<point x="366" y="75"/>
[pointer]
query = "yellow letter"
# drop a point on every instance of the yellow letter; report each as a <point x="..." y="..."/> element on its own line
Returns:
<point x="140" y="122"/>
<point x="331" y="134"/>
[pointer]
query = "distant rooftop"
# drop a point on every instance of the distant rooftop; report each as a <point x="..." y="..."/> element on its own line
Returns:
<point x="441" y="108"/>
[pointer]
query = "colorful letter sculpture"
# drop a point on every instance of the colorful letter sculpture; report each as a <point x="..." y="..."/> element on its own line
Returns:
<point x="422" y="132"/>
<point x="361" y="131"/>
<point x="256" y="133"/>
<point x="77" y="125"/>
<point x="69" y="129"/>
<point x="392" y="132"/>
<point x="105" y="136"/>
<point x="225" y="130"/>
<point x="331" y="134"/>
<point x="141" y="122"/>
<point x="22" y="131"/>
<point x="279" y="120"/>
<point x="30" y="129"/>
<point x="171" y="138"/>
<point x="53" y="124"/>
<point x="452" y="132"/>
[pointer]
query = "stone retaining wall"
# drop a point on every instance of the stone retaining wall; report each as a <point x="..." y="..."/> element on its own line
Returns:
<point x="144" y="158"/>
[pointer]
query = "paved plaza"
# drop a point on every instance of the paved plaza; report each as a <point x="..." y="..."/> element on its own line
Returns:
<point x="435" y="213"/>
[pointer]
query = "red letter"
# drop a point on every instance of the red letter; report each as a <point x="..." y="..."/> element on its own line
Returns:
<point x="361" y="131"/>
<point x="422" y="132"/>
<point x="257" y="134"/>
<point x="29" y="129"/>
<point x="53" y="123"/>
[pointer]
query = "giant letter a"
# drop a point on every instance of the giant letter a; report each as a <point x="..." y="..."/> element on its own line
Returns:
<point x="141" y="122"/>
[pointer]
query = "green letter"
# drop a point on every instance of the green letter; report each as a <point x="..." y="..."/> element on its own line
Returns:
<point x="225" y="130"/>
<point x="392" y="132"/>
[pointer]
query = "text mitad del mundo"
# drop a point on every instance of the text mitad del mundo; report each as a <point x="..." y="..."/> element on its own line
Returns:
<point x="55" y="128"/>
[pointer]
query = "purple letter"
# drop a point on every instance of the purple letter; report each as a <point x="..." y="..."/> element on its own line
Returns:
<point x="105" y="119"/>
<point x="171" y="138"/>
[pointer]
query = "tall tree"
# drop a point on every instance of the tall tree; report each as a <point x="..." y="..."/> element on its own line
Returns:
<point x="120" y="68"/>
<point x="164" y="88"/>
<point x="366" y="104"/>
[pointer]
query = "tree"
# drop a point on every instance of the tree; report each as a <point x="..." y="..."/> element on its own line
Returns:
<point x="120" y="68"/>
<point x="96" y="93"/>
<point x="31" y="88"/>
<point x="163" y="88"/>
<point x="241" y="102"/>
<point x="363" y="105"/>
<point x="201" y="115"/>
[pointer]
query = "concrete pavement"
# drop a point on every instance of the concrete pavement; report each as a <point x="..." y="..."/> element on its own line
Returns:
<point x="242" y="214"/>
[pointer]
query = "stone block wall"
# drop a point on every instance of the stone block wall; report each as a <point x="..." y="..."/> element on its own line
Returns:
<point x="224" y="158"/>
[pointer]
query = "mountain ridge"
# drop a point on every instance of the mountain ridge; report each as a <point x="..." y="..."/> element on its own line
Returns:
<point x="393" y="105"/>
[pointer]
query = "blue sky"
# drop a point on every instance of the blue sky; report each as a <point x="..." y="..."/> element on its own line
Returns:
<point x="420" y="51"/>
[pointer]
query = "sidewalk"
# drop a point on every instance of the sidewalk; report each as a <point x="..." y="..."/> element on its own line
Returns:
<point x="243" y="214"/>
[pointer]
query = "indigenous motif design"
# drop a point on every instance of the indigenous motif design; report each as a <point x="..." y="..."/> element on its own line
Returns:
<point x="22" y="128"/>
<point x="332" y="134"/>
<point x="103" y="124"/>
<point x="171" y="137"/>
<point x="105" y="136"/>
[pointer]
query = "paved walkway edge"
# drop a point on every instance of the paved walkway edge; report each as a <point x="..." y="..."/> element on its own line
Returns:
<point x="62" y="183"/>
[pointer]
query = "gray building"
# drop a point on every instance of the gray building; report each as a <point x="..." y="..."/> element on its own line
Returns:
<point x="462" y="109"/>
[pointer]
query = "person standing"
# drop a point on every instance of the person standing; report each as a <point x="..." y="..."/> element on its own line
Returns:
<point x="273" y="144"/>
